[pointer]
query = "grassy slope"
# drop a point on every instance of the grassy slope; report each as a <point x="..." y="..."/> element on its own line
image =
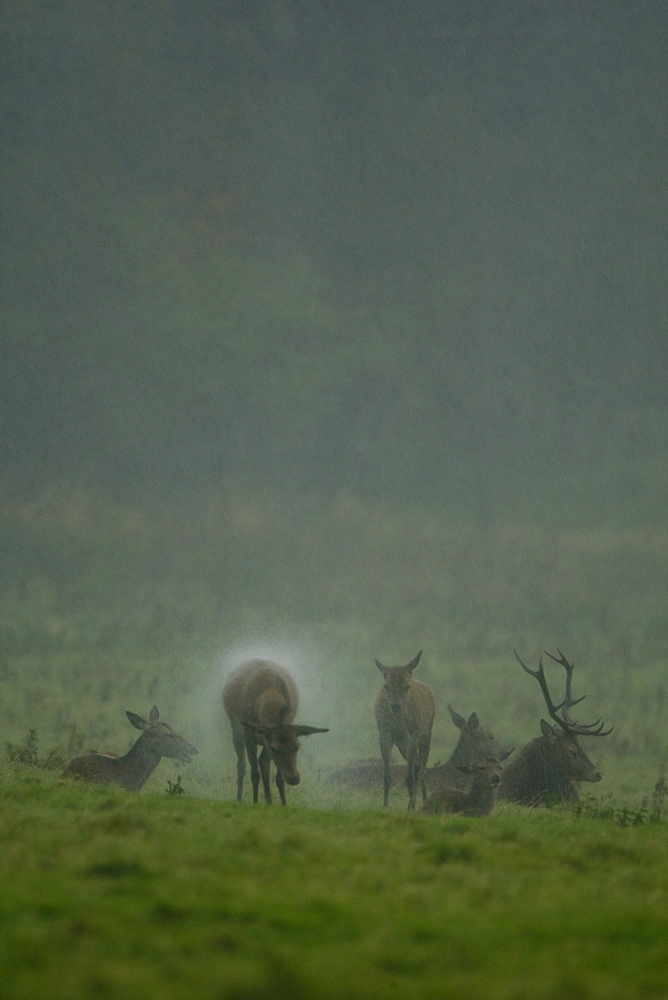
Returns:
<point x="109" y="894"/>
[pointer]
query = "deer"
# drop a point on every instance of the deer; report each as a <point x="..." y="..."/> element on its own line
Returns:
<point x="477" y="800"/>
<point x="261" y="700"/>
<point x="474" y="744"/>
<point x="132" y="770"/>
<point x="545" y="769"/>
<point x="404" y="712"/>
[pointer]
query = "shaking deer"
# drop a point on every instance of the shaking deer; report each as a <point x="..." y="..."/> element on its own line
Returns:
<point x="545" y="769"/>
<point x="157" y="740"/>
<point x="479" y="799"/>
<point x="404" y="714"/>
<point x="261" y="700"/>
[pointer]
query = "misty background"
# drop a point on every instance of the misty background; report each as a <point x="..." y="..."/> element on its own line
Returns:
<point x="335" y="329"/>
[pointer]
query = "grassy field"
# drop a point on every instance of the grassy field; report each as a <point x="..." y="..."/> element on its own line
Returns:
<point x="108" y="894"/>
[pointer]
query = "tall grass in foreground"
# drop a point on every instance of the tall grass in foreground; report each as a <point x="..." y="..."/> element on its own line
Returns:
<point x="104" y="893"/>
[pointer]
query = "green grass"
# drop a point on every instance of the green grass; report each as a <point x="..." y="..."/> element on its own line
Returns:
<point x="108" y="894"/>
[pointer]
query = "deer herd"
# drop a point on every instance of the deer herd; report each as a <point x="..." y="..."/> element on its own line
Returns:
<point x="261" y="699"/>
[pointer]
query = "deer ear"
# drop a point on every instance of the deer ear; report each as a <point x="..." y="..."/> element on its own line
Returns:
<point x="546" y="729"/>
<point x="308" y="730"/>
<point x="414" y="662"/>
<point x="458" y="719"/>
<point x="381" y="667"/>
<point x="473" y="722"/>
<point x="155" y="714"/>
<point x="137" y="721"/>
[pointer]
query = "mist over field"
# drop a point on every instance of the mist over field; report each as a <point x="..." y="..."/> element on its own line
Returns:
<point x="333" y="331"/>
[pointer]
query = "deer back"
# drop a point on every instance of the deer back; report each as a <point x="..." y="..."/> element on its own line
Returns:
<point x="260" y="692"/>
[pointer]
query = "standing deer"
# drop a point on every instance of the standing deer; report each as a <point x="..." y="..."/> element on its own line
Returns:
<point x="404" y="714"/>
<point x="157" y="740"/>
<point x="479" y="799"/>
<point x="261" y="699"/>
<point x="546" y="768"/>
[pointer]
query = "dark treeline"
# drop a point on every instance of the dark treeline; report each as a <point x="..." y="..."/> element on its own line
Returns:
<point x="405" y="249"/>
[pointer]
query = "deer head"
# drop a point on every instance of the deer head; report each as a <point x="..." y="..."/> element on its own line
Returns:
<point x="282" y="742"/>
<point x="161" y="738"/>
<point x="397" y="681"/>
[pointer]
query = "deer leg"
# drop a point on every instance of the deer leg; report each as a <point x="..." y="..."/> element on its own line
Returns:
<point x="411" y="754"/>
<point x="251" y="748"/>
<point x="280" y="784"/>
<point x="423" y="757"/>
<point x="240" y="748"/>
<point x="264" y="771"/>
<point x="386" y="754"/>
<point x="412" y="770"/>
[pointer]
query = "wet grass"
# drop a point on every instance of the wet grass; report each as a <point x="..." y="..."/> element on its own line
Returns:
<point x="108" y="894"/>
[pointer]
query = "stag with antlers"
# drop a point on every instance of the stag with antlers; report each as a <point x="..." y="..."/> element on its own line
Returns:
<point x="545" y="769"/>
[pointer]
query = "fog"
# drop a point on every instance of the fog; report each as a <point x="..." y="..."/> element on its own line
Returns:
<point x="334" y="327"/>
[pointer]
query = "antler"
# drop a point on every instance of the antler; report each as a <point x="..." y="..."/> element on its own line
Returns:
<point x="564" y="720"/>
<point x="585" y="728"/>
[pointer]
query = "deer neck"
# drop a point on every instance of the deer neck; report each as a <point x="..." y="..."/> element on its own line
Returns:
<point x="138" y="763"/>
<point x="462" y="754"/>
<point x="482" y="796"/>
<point x="548" y="771"/>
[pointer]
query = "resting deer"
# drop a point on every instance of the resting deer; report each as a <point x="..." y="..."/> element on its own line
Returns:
<point x="157" y="740"/>
<point x="545" y="769"/>
<point x="404" y="714"/>
<point x="479" y="799"/>
<point x="261" y="699"/>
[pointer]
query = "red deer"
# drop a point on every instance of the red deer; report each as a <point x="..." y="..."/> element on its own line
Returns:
<point x="479" y="799"/>
<point x="545" y="769"/>
<point x="157" y="740"/>
<point x="261" y="699"/>
<point x="404" y="713"/>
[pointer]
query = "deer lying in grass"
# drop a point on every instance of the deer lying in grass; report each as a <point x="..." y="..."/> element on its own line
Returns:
<point x="546" y="768"/>
<point x="157" y="740"/>
<point x="479" y="799"/>
<point x="261" y="699"/>
<point x="404" y="714"/>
